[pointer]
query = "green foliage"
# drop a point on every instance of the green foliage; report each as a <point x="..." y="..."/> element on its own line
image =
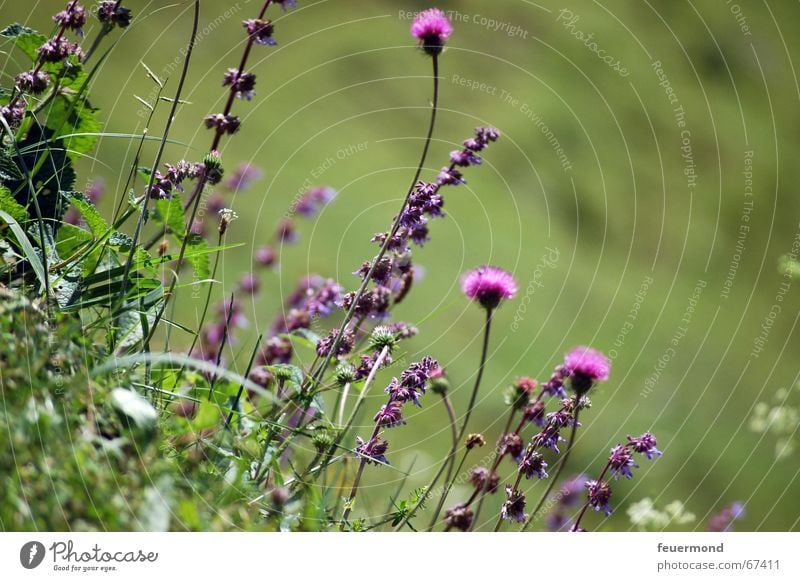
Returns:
<point x="25" y="39"/>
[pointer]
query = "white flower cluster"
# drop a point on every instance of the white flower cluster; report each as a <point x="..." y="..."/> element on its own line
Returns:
<point x="646" y="517"/>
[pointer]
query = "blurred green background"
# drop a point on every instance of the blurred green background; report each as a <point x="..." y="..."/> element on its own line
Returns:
<point x="627" y="231"/>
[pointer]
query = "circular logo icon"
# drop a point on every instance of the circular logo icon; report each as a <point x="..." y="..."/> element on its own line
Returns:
<point x="31" y="554"/>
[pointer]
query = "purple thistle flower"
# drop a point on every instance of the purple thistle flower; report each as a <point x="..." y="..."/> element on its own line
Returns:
<point x="514" y="507"/>
<point x="488" y="285"/>
<point x="621" y="461"/>
<point x="372" y="452"/>
<point x="31" y="82"/>
<point x="599" y="495"/>
<point x="73" y="17"/>
<point x="585" y="367"/>
<point x="432" y="28"/>
<point x="265" y="256"/>
<point x="459" y="517"/>
<point x="112" y="15"/>
<point x="645" y="444"/>
<point x="478" y="478"/>
<point x="390" y="415"/>
<point x="242" y="84"/>
<point x="260" y="31"/>
<point x="533" y="464"/>
<point x="242" y="177"/>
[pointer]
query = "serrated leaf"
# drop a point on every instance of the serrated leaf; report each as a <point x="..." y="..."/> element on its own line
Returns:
<point x="169" y="212"/>
<point x="198" y="257"/>
<point x="24" y="38"/>
<point x="11" y="206"/>
<point x="96" y="223"/>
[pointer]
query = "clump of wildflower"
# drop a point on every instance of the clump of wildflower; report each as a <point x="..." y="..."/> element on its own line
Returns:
<point x="645" y="444"/>
<point x="432" y="28"/>
<point x="57" y="49"/>
<point x="512" y="445"/>
<point x="372" y="452"/>
<point x="585" y="367"/>
<point x="242" y="84"/>
<point x="534" y="465"/>
<point x="599" y="493"/>
<point x="223" y="123"/>
<point x="73" y="17"/>
<point x="483" y="481"/>
<point x="344" y="347"/>
<point x="489" y="286"/>
<point x="33" y="82"/>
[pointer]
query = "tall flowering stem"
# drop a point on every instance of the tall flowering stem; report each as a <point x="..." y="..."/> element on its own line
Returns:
<point x="317" y="376"/>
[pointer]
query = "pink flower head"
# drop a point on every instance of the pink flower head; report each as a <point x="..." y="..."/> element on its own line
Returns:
<point x="586" y="366"/>
<point x="488" y="285"/>
<point x="432" y="28"/>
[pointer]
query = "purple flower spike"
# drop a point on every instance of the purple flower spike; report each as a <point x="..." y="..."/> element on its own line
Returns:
<point x="28" y="82"/>
<point x="73" y="17"/>
<point x="621" y="462"/>
<point x="585" y="367"/>
<point x="390" y="415"/>
<point x="432" y="28"/>
<point x="514" y="507"/>
<point x="645" y="444"/>
<point x="372" y="452"/>
<point x="489" y="286"/>
<point x="599" y="496"/>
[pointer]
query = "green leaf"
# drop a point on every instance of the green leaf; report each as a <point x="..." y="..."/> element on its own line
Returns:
<point x="198" y="257"/>
<point x="96" y="223"/>
<point x="169" y="212"/>
<point x="24" y="38"/>
<point x="77" y="123"/>
<point x="27" y="248"/>
<point x="11" y="206"/>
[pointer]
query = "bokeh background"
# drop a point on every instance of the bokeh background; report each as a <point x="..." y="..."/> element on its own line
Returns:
<point x="644" y="205"/>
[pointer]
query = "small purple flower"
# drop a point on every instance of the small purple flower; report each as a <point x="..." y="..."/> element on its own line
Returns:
<point x="390" y="415"/>
<point x="478" y="478"/>
<point x="534" y="413"/>
<point x="242" y="84"/>
<point x="14" y="113"/>
<point x="73" y="17"/>
<point x="464" y="158"/>
<point x="585" y="367"/>
<point x="372" y="452"/>
<point x="512" y="445"/>
<point x="223" y="123"/>
<point x="346" y="344"/>
<point x="547" y="438"/>
<point x="488" y="285"/>
<point x="313" y="199"/>
<point x="621" y="461"/>
<point x="645" y="444"/>
<point x="514" y="507"/>
<point x="555" y="385"/>
<point x="533" y="464"/>
<point x="368" y="362"/>
<point x="112" y="15"/>
<point x="265" y="256"/>
<point x="287" y="231"/>
<point x="260" y="31"/>
<point x="275" y="350"/>
<point x="242" y="177"/>
<point x="32" y="82"/>
<point x="54" y="51"/>
<point x="571" y="489"/>
<point x="459" y="517"/>
<point x="599" y="495"/>
<point x="249" y="284"/>
<point x="450" y="176"/>
<point x="432" y="28"/>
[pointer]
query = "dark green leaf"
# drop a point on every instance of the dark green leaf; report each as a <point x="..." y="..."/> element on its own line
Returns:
<point x="24" y="38"/>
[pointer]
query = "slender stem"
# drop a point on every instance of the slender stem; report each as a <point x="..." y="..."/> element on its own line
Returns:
<point x="208" y="299"/>
<point x="561" y="464"/>
<point x="343" y="401"/>
<point x="484" y="353"/>
<point x="320" y="372"/>
<point x="585" y="506"/>
<point x="454" y="428"/>
<point x="157" y="162"/>
<point x="446" y="491"/>
<point x="225" y="333"/>
<point x="496" y="464"/>
<point x="235" y="405"/>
